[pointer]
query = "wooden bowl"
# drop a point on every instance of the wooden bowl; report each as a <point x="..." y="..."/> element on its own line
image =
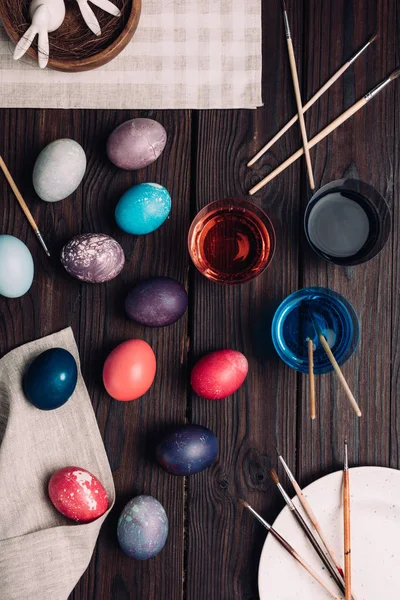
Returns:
<point x="98" y="54"/>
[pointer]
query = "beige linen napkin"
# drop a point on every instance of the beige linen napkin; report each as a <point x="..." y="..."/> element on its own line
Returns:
<point x="184" y="54"/>
<point x="43" y="554"/>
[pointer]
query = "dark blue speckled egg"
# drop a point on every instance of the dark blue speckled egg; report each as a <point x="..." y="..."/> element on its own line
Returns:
<point x="142" y="528"/>
<point x="51" y="379"/>
<point x="187" y="450"/>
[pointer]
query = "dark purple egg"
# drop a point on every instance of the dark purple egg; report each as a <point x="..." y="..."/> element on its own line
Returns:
<point x="187" y="450"/>
<point x="93" y="257"/>
<point x="142" y="528"/>
<point x="156" y="302"/>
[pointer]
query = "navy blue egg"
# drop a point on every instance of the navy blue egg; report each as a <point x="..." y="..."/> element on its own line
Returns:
<point x="187" y="450"/>
<point x="51" y="379"/>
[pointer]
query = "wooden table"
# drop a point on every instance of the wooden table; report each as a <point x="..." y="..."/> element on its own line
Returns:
<point x="213" y="547"/>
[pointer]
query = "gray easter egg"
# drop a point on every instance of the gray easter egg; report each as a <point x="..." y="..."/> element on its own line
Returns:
<point x="58" y="170"/>
<point x="93" y="257"/>
<point x="142" y="528"/>
<point x="137" y="143"/>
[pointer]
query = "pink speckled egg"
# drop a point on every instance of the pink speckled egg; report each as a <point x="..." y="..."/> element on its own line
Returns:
<point x="78" y="494"/>
<point x="219" y="374"/>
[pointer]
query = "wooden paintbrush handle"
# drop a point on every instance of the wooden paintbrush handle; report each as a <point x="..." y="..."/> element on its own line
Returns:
<point x="300" y="112"/>
<point x="340" y="375"/>
<point x="311" y="378"/>
<point x="18" y="196"/>
<point x="315" y="140"/>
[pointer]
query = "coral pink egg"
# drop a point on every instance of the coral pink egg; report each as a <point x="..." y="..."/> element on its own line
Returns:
<point x="129" y="370"/>
<point x="78" y="494"/>
<point x="219" y="374"/>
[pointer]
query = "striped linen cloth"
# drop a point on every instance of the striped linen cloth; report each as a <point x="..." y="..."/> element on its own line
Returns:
<point x="185" y="54"/>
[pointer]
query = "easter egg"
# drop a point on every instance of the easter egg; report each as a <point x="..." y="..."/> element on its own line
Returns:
<point x="16" y="267"/>
<point x="156" y="302"/>
<point x="59" y="169"/>
<point x="136" y="143"/>
<point x="77" y="494"/>
<point x="219" y="374"/>
<point x="187" y="449"/>
<point x="143" y="208"/>
<point x="129" y="370"/>
<point x="142" y="528"/>
<point x="50" y="379"/>
<point x="93" y="257"/>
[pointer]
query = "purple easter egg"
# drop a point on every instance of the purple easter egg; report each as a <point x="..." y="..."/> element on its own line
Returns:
<point x="93" y="257"/>
<point x="137" y="143"/>
<point x="187" y="450"/>
<point x="156" y="302"/>
<point x="142" y="528"/>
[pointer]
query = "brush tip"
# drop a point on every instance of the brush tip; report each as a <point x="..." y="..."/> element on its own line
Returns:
<point x="284" y="5"/>
<point x="372" y="38"/>
<point x="243" y="503"/>
<point x="274" y="476"/>
<point x="277" y="450"/>
<point x="395" y="74"/>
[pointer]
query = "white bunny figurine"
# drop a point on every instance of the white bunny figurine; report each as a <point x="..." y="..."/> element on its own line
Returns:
<point x="89" y="16"/>
<point x="46" y="15"/>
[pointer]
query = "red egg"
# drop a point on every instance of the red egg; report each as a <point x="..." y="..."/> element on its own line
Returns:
<point x="78" y="494"/>
<point x="129" y="370"/>
<point x="219" y="374"/>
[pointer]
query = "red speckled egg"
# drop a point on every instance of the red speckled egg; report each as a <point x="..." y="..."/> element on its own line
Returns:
<point x="78" y="494"/>
<point x="219" y="374"/>
<point x="129" y="370"/>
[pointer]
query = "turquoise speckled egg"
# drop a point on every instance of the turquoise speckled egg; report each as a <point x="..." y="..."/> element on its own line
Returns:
<point x="143" y="208"/>
<point x="142" y="528"/>
<point x="16" y="267"/>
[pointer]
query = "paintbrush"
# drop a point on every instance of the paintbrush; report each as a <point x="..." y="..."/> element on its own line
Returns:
<point x="297" y="93"/>
<point x="289" y="549"/>
<point x="309" y="512"/>
<point x="346" y="525"/>
<point x="311" y="377"/>
<point x="325" y="132"/>
<point x="309" y="534"/>
<point x="334" y="363"/>
<point x="312" y="101"/>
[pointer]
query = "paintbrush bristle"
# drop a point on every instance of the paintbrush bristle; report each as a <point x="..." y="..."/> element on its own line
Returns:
<point x="277" y="451"/>
<point x="373" y="38"/>
<point x="284" y="5"/>
<point x="394" y="75"/>
<point x="244" y="503"/>
<point x="274" y="476"/>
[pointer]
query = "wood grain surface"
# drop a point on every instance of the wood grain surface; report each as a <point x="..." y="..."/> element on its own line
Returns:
<point x="213" y="549"/>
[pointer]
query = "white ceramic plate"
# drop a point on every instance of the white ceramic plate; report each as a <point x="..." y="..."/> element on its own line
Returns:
<point x="375" y="539"/>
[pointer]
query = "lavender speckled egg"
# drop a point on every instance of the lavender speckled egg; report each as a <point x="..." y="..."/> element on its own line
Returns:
<point x="136" y="143"/>
<point x="156" y="302"/>
<point x="59" y="169"/>
<point x="188" y="449"/>
<point x="93" y="257"/>
<point x="142" y="528"/>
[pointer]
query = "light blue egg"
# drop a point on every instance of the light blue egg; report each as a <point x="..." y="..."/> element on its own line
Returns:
<point x="16" y="267"/>
<point x="143" y="208"/>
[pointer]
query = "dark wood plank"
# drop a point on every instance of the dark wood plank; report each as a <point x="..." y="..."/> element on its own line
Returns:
<point x="362" y="148"/>
<point x="224" y="543"/>
<point x="97" y="317"/>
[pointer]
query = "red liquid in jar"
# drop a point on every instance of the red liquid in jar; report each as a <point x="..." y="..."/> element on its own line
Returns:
<point x="230" y="245"/>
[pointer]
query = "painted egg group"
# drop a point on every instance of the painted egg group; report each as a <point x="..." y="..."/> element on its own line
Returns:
<point x="16" y="267"/>
<point x="219" y="374"/>
<point x="50" y="379"/>
<point x="156" y="302"/>
<point x="77" y="494"/>
<point x="93" y="257"/>
<point x="143" y="208"/>
<point x="59" y="169"/>
<point x="137" y="143"/>
<point x="186" y="450"/>
<point x="129" y="370"/>
<point x="142" y="528"/>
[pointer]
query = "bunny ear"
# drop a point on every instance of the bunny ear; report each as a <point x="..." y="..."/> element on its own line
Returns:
<point x="107" y="6"/>
<point x="89" y="17"/>
<point x="25" y="42"/>
<point x="43" y="48"/>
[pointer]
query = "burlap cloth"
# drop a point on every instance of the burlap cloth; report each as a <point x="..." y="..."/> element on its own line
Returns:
<point x="43" y="554"/>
